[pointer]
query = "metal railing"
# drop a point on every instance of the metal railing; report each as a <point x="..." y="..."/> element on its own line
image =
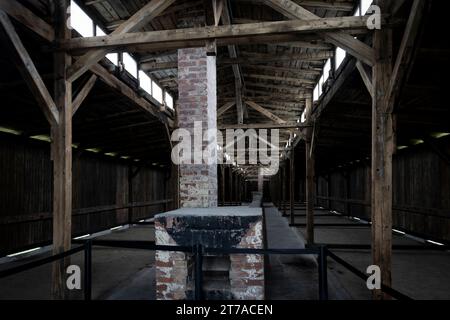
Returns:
<point x="198" y="251"/>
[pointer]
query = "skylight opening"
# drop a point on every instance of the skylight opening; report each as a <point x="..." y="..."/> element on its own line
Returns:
<point x="365" y="5"/>
<point x="157" y="92"/>
<point x="80" y="21"/>
<point x="130" y="64"/>
<point x="340" y="56"/>
<point x="316" y="94"/>
<point x="145" y="82"/>
<point x="326" y="70"/>
<point x="169" y="100"/>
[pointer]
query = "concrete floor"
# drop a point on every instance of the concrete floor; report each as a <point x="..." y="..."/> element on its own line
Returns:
<point x="420" y="274"/>
<point x="116" y="273"/>
<point x="129" y="274"/>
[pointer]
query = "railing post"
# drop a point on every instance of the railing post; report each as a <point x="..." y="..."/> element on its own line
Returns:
<point x="87" y="270"/>
<point x="323" y="276"/>
<point x="198" y="272"/>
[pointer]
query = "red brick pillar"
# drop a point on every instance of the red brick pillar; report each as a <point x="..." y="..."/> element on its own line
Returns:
<point x="197" y="106"/>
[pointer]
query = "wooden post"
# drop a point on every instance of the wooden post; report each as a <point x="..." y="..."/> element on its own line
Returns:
<point x="329" y="191"/>
<point x="224" y="183"/>
<point x="130" y="193"/>
<point x="230" y="184"/>
<point x="347" y="192"/>
<point x="61" y="152"/>
<point x="309" y="189"/>
<point x="283" y="203"/>
<point x="382" y="150"/>
<point x="292" y="185"/>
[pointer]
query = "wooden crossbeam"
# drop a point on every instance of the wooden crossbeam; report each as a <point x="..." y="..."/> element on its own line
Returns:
<point x="153" y="9"/>
<point x="28" y="70"/>
<point x="353" y="46"/>
<point x="82" y="95"/>
<point x="365" y="77"/>
<point x="260" y="126"/>
<point x="119" y="86"/>
<point x="29" y="19"/>
<point x="225" y="108"/>
<point x="405" y="53"/>
<point x="265" y="112"/>
<point x="182" y="37"/>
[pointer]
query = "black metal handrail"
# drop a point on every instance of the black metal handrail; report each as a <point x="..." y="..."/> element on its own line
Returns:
<point x="86" y="247"/>
<point x="198" y="252"/>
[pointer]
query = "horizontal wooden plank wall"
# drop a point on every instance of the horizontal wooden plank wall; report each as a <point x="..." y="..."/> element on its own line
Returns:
<point x="421" y="192"/>
<point x="26" y="193"/>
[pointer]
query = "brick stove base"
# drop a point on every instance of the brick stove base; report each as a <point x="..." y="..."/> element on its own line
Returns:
<point x="235" y="276"/>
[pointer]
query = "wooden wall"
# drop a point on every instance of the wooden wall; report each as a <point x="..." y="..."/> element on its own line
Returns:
<point x="421" y="191"/>
<point x="99" y="182"/>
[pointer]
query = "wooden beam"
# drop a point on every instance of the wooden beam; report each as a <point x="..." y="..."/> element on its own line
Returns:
<point x="405" y="53"/>
<point x="239" y="104"/>
<point x="29" y="19"/>
<point x="310" y="191"/>
<point x="28" y="70"/>
<point x="157" y="66"/>
<point x="365" y="77"/>
<point x="61" y="152"/>
<point x="182" y="37"/>
<point x="292" y="185"/>
<point x="151" y="10"/>
<point x="82" y="95"/>
<point x="382" y="151"/>
<point x="121" y="87"/>
<point x="261" y="126"/>
<point x="225" y="108"/>
<point x="265" y="112"/>
<point x="353" y="46"/>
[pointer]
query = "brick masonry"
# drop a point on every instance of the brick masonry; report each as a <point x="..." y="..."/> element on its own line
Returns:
<point x="246" y="273"/>
<point x="197" y="102"/>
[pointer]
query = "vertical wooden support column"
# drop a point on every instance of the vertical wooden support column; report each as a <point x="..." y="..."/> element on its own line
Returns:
<point x="230" y="184"/>
<point x="310" y="189"/>
<point x="130" y="193"/>
<point x="61" y="152"/>
<point x="329" y="195"/>
<point x="348" y="195"/>
<point x="382" y="150"/>
<point x="292" y="185"/>
<point x="222" y="171"/>
<point x="283" y="203"/>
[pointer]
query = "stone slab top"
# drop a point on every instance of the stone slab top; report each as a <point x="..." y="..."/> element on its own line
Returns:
<point x="213" y="212"/>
